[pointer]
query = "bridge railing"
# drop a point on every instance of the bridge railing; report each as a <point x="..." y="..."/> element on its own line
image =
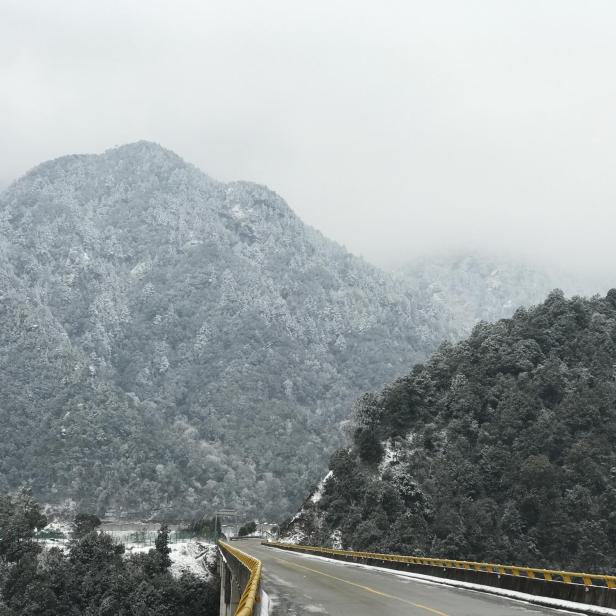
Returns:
<point x="248" y="580"/>
<point x="587" y="588"/>
<point x="567" y="577"/>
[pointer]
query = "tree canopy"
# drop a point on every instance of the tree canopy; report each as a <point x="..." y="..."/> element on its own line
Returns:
<point x="93" y="576"/>
<point x="500" y="448"/>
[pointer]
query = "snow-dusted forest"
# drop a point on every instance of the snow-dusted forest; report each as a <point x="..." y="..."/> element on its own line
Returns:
<point x="173" y="343"/>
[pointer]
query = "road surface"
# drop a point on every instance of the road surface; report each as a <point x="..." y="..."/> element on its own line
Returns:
<point x="299" y="585"/>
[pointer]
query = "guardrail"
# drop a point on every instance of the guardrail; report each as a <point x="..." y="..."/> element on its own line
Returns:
<point x="585" y="588"/>
<point x="567" y="577"/>
<point x="248" y="602"/>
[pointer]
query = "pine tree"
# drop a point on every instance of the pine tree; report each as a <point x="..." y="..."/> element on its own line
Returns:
<point x="162" y="547"/>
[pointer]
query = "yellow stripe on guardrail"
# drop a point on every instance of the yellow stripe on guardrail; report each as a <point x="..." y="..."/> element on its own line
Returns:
<point x="568" y="577"/>
<point x="250" y="595"/>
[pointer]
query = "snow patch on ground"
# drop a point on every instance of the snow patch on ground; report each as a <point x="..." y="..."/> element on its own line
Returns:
<point x="59" y="526"/>
<point x="336" y="539"/>
<point x="293" y="538"/>
<point x="190" y="556"/>
<point x="567" y="606"/>
<point x="297" y="535"/>
<point x="193" y="555"/>
<point x="63" y="531"/>
<point x="318" y="493"/>
<point x="389" y="454"/>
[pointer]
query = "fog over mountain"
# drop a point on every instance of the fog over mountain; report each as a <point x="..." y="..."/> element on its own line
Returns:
<point x="399" y="131"/>
<point x="474" y="287"/>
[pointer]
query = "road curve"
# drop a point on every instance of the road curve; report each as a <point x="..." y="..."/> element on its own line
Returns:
<point x="300" y="585"/>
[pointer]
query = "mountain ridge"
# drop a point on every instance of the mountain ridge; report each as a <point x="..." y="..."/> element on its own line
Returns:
<point x="185" y="293"/>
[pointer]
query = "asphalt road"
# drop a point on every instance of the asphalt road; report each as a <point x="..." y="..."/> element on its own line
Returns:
<point x="298" y="584"/>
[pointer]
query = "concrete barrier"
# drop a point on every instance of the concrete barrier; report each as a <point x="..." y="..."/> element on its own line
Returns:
<point x="240" y="583"/>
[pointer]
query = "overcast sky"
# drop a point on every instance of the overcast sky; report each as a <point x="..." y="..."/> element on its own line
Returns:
<point x="396" y="128"/>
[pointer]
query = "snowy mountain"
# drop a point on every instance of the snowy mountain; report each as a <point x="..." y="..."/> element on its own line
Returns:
<point x="207" y="341"/>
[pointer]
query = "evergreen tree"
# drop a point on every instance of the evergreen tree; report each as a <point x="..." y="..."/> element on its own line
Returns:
<point x="247" y="529"/>
<point x="162" y="547"/>
<point x="85" y="523"/>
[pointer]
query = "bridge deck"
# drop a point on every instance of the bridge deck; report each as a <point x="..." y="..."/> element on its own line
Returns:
<point x="301" y="585"/>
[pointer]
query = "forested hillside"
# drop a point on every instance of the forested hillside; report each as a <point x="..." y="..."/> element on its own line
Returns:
<point x="174" y="343"/>
<point x="500" y="448"/>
